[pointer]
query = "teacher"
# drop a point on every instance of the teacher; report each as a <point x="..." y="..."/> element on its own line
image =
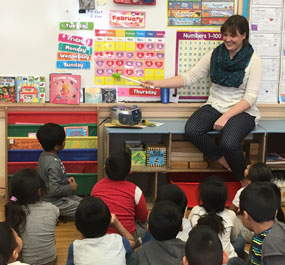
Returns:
<point x="236" y="74"/>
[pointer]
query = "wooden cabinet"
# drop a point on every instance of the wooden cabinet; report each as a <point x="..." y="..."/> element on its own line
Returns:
<point x="170" y="131"/>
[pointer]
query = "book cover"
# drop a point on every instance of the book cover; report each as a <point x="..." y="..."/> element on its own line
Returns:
<point x="76" y="131"/>
<point x="109" y="95"/>
<point x="92" y="95"/>
<point x="31" y="89"/>
<point x="7" y="89"/>
<point x="65" y="88"/>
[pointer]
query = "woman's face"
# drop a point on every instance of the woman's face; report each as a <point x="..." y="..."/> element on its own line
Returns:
<point x="233" y="42"/>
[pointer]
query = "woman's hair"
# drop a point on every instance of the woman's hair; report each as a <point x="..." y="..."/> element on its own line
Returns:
<point x="259" y="172"/>
<point x="236" y="23"/>
<point x="213" y="194"/>
<point x="7" y="243"/>
<point x="26" y="187"/>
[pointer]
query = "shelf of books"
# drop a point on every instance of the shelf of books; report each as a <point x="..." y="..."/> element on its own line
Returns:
<point x="79" y="155"/>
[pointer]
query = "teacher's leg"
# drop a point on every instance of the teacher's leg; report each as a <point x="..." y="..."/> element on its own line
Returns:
<point x="197" y="127"/>
<point x="235" y="130"/>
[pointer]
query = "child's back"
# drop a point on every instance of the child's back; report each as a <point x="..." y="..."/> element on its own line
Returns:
<point x="33" y="219"/>
<point x="59" y="187"/>
<point x="123" y="198"/>
<point x="92" y="220"/>
<point x="212" y="197"/>
<point x="165" y="222"/>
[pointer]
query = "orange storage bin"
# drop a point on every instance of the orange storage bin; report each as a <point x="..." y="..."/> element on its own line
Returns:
<point x="191" y="191"/>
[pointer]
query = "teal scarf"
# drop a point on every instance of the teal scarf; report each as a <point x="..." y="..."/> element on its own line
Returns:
<point x="226" y="72"/>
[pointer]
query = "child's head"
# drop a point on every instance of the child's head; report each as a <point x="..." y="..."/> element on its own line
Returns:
<point x="51" y="137"/>
<point x="258" y="172"/>
<point x="258" y="202"/>
<point x="118" y="165"/>
<point x="92" y="217"/>
<point x="173" y="193"/>
<point x="10" y="244"/>
<point x="165" y="220"/>
<point x="26" y="187"/>
<point x="213" y="194"/>
<point x="203" y="247"/>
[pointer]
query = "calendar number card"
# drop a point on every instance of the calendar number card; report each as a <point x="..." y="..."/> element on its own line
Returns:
<point x="190" y="47"/>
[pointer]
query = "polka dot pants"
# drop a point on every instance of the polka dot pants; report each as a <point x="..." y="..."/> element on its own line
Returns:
<point x="235" y="130"/>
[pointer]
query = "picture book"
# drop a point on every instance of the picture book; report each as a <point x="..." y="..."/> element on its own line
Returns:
<point x="31" y="89"/>
<point x="109" y="95"/>
<point x="65" y="88"/>
<point x="7" y="89"/>
<point x="76" y="131"/>
<point x="92" y="95"/>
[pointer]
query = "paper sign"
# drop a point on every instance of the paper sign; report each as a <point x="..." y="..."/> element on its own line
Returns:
<point x="127" y="19"/>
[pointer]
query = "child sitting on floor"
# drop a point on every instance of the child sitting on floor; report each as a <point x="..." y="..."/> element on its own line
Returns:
<point x="213" y="195"/>
<point x="258" y="205"/>
<point x="204" y="247"/>
<point x="10" y="245"/>
<point x="165" y="222"/>
<point x="59" y="187"/>
<point x="92" y="220"/>
<point x="171" y="192"/>
<point x="123" y="198"/>
<point x="33" y="219"/>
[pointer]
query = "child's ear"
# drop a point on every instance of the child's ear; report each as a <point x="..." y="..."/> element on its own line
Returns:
<point x="57" y="148"/>
<point x="185" y="261"/>
<point x="39" y="192"/>
<point x="225" y="257"/>
<point x="14" y="256"/>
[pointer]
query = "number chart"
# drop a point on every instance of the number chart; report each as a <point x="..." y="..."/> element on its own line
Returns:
<point x="190" y="47"/>
<point x="137" y="54"/>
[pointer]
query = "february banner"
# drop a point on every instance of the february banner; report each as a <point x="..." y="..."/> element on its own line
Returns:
<point x="127" y="19"/>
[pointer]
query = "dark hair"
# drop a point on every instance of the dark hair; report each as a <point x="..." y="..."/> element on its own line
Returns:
<point x="50" y="135"/>
<point x="7" y="242"/>
<point x="203" y="247"/>
<point x="214" y="221"/>
<point x="236" y="23"/>
<point x="280" y="214"/>
<point x="92" y="217"/>
<point x="118" y="165"/>
<point x="259" y="172"/>
<point x="213" y="194"/>
<point x="173" y="193"/>
<point x="25" y="186"/>
<point x="165" y="220"/>
<point x="258" y="199"/>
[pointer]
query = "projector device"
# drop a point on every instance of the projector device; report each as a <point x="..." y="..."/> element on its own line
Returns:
<point x="125" y="115"/>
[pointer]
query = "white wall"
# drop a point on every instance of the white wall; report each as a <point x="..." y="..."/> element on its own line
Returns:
<point x="29" y="32"/>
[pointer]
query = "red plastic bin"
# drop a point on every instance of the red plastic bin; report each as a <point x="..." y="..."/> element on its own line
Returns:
<point x="70" y="166"/>
<point x="191" y="191"/>
<point x="55" y="117"/>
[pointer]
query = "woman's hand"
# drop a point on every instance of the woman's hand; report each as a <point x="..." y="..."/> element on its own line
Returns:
<point x="149" y="83"/>
<point x="220" y="123"/>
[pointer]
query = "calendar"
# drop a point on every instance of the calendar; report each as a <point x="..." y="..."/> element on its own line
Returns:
<point x="190" y="47"/>
<point x="138" y="54"/>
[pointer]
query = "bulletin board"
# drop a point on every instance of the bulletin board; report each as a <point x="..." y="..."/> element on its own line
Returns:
<point x="30" y="38"/>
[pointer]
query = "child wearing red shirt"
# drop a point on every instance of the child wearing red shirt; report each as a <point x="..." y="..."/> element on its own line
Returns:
<point x="123" y="198"/>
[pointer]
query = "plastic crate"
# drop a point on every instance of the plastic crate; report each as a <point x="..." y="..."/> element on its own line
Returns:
<point x="64" y="155"/>
<point x="55" y="117"/>
<point x="23" y="130"/>
<point x="70" y="166"/>
<point x="191" y="191"/>
<point x="85" y="182"/>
